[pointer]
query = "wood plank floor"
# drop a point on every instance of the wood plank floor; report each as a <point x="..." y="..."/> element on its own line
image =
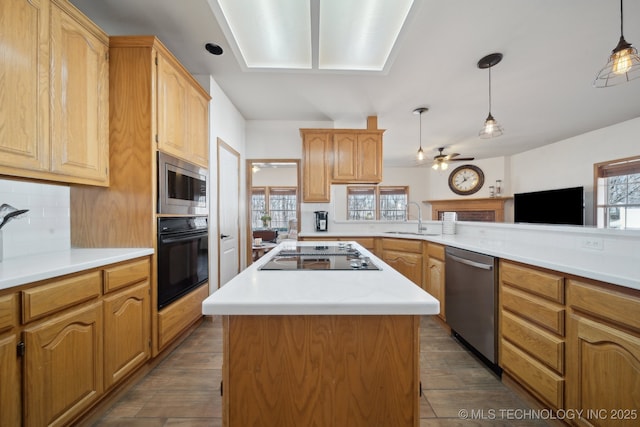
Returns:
<point x="184" y="390"/>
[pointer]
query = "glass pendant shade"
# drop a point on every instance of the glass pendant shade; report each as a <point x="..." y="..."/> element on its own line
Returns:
<point x="419" y="111"/>
<point x="491" y="128"/>
<point x="623" y="65"/>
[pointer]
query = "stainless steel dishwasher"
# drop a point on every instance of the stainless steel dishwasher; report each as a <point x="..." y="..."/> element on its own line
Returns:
<point x="471" y="301"/>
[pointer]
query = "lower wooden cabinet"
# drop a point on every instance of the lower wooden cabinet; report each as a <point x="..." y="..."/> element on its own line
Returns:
<point x="175" y="318"/>
<point x="10" y="414"/>
<point x="532" y="334"/>
<point x="603" y="358"/>
<point x="65" y="342"/>
<point x="405" y="256"/>
<point x="127" y="332"/>
<point x="433" y="276"/>
<point x="63" y="366"/>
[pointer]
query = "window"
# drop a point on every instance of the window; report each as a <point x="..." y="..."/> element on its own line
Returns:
<point x="618" y="193"/>
<point x="278" y="203"/>
<point x="371" y="202"/>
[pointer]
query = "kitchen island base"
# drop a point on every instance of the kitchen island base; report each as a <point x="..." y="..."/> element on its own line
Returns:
<point x="294" y="370"/>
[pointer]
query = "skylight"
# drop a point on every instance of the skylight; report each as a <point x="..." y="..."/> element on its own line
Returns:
<point x="315" y="34"/>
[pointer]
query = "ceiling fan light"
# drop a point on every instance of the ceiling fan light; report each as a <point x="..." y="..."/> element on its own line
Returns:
<point x="435" y="166"/>
<point x="444" y="166"/>
<point x="491" y="128"/>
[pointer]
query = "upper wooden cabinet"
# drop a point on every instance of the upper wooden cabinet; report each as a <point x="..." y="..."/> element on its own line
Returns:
<point x="55" y="102"/>
<point x="316" y="165"/>
<point x="341" y="156"/>
<point x="357" y="156"/>
<point x="183" y="112"/>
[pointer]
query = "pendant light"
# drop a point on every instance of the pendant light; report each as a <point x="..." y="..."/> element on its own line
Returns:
<point x="623" y="65"/>
<point x="420" y="153"/>
<point x="491" y="128"/>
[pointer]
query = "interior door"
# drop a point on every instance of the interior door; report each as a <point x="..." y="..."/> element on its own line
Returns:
<point x="228" y="212"/>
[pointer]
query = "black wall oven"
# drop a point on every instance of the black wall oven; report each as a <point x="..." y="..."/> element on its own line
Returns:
<point x="183" y="256"/>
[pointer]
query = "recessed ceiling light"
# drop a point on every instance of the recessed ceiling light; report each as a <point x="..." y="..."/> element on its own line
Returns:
<point x="326" y="35"/>
<point x="213" y="49"/>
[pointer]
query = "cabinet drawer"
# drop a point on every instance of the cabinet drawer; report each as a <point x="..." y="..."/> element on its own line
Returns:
<point x="8" y="310"/>
<point x="435" y="251"/>
<point x="365" y="242"/>
<point x="536" y="310"/>
<point x="402" y="245"/>
<point x="534" y="376"/>
<point x="46" y="299"/>
<point x="541" y="283"/>
<point x="175" y="318"/>
<point x="547" y="348"/>
<point x="125" y="274"/>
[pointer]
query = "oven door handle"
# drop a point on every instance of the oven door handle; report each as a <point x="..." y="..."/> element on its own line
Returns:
<point x="182" y="238"/>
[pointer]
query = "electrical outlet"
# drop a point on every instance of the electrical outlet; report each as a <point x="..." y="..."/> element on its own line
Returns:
<point x="592" y="243"/>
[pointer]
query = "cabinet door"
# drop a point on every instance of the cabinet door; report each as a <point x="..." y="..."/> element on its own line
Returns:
<point x="127" y="332"/>
<point x="369" y="160"/>
<point x="80" y="100"/>
<point x="24" y="100"/>
<point x="198" y="137"/>
<point x="345" y="153"/>
<point x="172" y="109"/>
<point x="435" y="282"/>
<point x="316" y="162"/>
<point x="410" y="265"/>
<point x="10" y="383"/>
<point x="63" y="366"/>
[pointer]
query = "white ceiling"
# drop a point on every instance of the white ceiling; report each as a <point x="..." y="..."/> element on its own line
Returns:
<point x="541" y="91"/>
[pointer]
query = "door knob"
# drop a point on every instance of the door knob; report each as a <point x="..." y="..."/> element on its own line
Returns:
<point x="222" y="236"/>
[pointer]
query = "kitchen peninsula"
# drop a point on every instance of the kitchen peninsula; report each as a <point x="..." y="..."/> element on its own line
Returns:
<point x="320" y="347"/>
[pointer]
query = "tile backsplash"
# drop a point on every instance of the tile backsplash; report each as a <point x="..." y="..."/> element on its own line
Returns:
<point x="45" y="228"/>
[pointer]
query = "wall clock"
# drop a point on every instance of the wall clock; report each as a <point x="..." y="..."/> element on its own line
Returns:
<point x="466" y="180"/>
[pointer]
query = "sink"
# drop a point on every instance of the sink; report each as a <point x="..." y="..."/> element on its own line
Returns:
<point x="412" y="233"/>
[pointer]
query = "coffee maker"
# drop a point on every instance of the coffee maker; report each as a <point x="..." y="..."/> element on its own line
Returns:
<point x="322" y="220"/>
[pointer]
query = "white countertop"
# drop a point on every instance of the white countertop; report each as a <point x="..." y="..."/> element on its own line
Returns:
<point x="320" y="292"/>
<point x="27" y="269"/>
<point x="542" y="247"/>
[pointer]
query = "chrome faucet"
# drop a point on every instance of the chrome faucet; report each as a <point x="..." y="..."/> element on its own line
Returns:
<point x="420" y="227"/>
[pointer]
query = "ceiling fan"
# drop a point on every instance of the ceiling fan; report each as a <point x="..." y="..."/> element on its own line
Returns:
<point x="441" y="160"/>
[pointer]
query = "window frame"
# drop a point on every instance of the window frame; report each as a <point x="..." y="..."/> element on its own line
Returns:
<point x="268" y="191"/>
<point x="611" y="168"/>
<point x="378" y="190"/>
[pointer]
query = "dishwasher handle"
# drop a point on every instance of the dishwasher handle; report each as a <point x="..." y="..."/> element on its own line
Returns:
<point x="471" y="263"/>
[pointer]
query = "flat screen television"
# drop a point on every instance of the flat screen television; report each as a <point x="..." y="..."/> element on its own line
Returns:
<point x="561" y="206"/>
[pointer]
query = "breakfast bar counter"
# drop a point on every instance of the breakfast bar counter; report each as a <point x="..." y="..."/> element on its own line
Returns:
<point x="321" y="347"/>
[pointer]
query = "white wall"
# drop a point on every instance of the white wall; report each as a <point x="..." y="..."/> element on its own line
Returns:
<point x="569" y="163"/>
<point x="45" y="228"/>
<point x="225" y="123"/>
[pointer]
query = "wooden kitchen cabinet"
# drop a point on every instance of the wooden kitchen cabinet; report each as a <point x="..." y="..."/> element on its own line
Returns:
<point x="434" y="274"/>
<point x="603" y="358"/>
<point x="63" y="366"/>
<point x="10" y="399"/>
<point x="532" y="334"/>
<point x="55" y="104"/>
<point x="405" y="256"/>
<point x="127" y="316"/>
<point x="316" y="166"/>
<point x="357" y="156"/>
<point x="182" y="113"/>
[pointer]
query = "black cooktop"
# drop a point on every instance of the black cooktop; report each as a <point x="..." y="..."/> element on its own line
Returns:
<point x="329" y="257"/>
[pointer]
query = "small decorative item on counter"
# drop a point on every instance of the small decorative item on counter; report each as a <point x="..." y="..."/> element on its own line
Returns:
<point x="498" y="187"/>
<point x="449" y="222"/>
<point x="492" y="191"/>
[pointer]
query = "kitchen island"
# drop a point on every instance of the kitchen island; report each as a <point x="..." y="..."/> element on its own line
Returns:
<point x="320" y="347"/>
